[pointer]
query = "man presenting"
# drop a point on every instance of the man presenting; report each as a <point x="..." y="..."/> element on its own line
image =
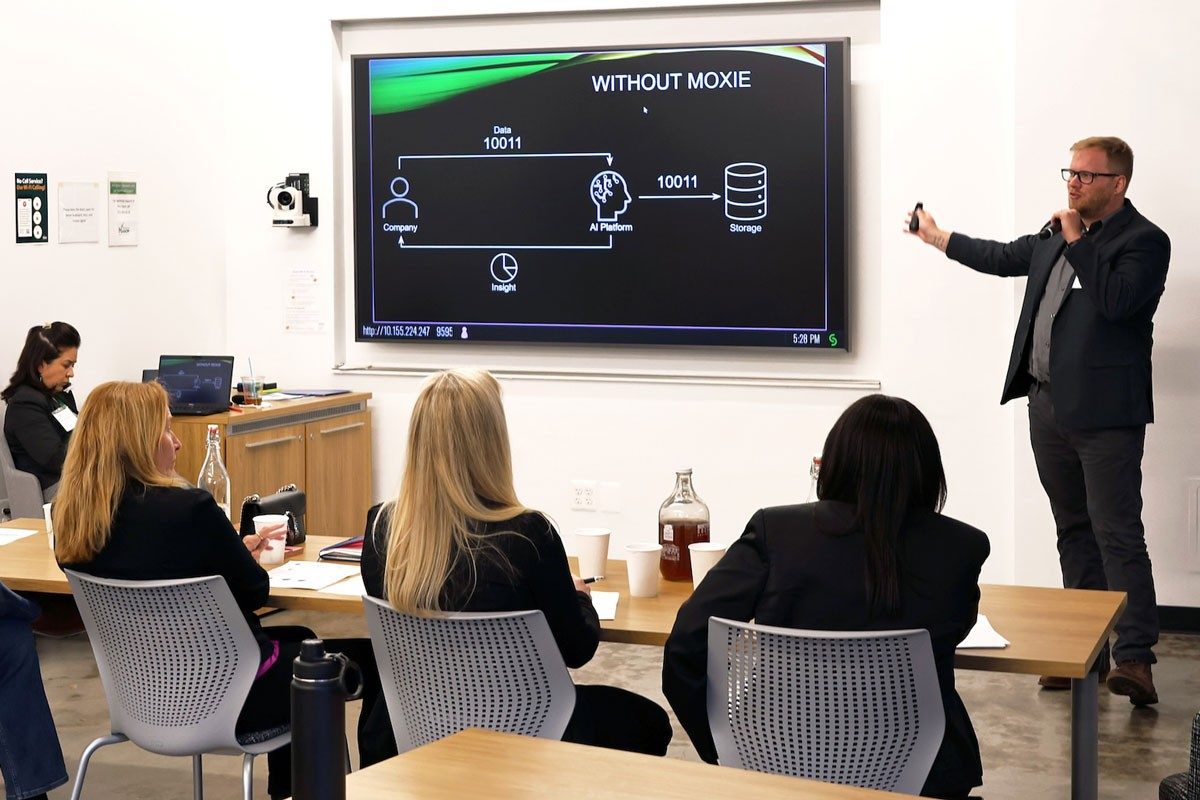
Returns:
<point x="1082" y="355"/>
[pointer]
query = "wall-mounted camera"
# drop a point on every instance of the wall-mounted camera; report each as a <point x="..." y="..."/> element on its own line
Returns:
<point x="291" y="205"/>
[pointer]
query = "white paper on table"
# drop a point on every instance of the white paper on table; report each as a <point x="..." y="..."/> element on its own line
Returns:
<point x="284" y="396"/>
<point x="983" y="635"/>
<point x="605" y="604"/>
<point x="309" y="574"/>
<point x="351" y="587"/>
<point x="10" y="535"/>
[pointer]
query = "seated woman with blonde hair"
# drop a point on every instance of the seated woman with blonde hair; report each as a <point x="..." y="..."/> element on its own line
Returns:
<point x="122" y="512"/>
<point x="458" y="539"/>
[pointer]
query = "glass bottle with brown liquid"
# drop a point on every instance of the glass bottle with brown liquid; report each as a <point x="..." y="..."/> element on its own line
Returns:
<point x="682" y="520"/>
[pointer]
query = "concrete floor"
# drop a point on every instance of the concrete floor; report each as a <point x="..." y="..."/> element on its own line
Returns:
<point x="1024" y="732"/>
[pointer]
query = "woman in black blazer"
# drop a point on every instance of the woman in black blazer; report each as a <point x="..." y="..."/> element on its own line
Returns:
<point x="874" y="553"/>
<point x="41" y="409"/>
<point x="456" y="538"/>
<point x="124" y="513"/>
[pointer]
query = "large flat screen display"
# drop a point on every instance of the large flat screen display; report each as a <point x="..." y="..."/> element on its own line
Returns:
<point x="684" y="195"/>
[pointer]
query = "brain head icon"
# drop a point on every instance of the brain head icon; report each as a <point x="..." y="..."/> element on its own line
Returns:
<point x="610" y="195"/>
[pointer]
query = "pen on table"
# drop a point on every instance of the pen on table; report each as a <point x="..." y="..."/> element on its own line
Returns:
<point x="593" y="579"/>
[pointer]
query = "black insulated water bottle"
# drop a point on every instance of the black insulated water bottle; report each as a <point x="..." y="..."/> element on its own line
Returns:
<point x="319" y="695"/>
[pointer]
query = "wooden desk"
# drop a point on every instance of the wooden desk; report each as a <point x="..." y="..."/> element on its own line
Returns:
<point x="321" y="444"/>
<point x="1053" y="631"/>
<point x="504" y="766"/>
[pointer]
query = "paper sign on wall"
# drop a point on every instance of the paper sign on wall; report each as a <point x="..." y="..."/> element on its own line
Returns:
<point x="77" y="206"/>
<point x="122" y="209"/>
<point x="302" y="308"/>
<point x="33" y="224"/>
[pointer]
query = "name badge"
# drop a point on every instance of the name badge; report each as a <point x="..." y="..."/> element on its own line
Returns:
<point x="66" y="417"/>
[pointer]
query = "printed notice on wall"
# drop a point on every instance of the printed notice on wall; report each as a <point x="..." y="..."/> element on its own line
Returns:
<point x="303" y="310"/>
<point x="122" y="209"/>
<point x="78" y="202"/>
<point x="33" y="225"/>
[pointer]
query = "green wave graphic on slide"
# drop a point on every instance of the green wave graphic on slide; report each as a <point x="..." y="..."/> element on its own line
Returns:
<point x="404" y="84"/>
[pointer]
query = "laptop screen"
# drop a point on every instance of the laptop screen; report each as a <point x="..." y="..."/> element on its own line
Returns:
<point x="196" y="380"/>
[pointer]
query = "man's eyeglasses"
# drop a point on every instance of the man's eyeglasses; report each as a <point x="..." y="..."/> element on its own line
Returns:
<point x="1084" y="176"/>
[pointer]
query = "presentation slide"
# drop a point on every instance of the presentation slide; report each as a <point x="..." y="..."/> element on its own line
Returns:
<point x="655" y="196"/>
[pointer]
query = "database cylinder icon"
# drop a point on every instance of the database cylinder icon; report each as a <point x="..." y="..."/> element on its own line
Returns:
<point x="745" y="191"/>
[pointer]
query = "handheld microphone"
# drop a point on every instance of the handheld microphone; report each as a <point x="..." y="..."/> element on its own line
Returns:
<point x="1049" y="229"/>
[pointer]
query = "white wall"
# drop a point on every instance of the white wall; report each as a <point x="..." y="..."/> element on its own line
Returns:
<point x="967" y="107"/>
<point x="88" y="90"/>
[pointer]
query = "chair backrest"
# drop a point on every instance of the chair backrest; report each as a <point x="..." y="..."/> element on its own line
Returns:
<point x="23" y="489"/>
<point x="176" y="659"/>
<point x="445" y="672"/>
<point x="859" y="708"/>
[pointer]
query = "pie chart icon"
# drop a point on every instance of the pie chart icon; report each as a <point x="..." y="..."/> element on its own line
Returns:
<point x="504" y="268"/>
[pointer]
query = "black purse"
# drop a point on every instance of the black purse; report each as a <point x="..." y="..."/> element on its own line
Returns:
<point x="289" y="501"/>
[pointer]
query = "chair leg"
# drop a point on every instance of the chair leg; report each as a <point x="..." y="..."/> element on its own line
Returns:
<point x="197" y="777"/>
<point x="88" y="752"/>
<point x="248" y="776"/>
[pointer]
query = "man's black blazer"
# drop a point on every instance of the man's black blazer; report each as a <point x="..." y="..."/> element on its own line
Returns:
<point x="1101" y="338"/>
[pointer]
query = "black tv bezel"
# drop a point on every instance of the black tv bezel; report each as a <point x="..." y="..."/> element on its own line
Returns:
<point x="620" y="337"/>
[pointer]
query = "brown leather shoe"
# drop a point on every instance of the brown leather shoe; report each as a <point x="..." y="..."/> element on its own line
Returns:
<point x="1132" y="679"/>
<point x="1055" y="683"/>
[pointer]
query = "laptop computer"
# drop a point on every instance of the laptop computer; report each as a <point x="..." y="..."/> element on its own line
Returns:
<point x="196" y="385"/>
<point x="149" y="375"/>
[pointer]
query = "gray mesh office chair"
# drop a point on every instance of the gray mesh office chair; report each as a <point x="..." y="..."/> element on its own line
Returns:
<point x="446" y="672"/>
<point x="24" y="491"/>
<point x="176" y="659"/>
<point x="1185" y="785"/>
<point x="858" y="708"/>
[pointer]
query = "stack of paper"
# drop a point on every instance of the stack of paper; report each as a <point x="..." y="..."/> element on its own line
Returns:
<point x="10" y="535"/>
<point x="309" y="575"/>
<point x="983" y="635"/>
<point x="605" y="604"/>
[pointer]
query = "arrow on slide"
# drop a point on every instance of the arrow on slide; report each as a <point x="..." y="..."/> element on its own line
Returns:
<point x="400" y="159"/>
<point x="713" y="196"/>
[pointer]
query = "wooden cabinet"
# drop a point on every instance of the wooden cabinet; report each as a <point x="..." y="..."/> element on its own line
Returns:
<point x="323" y="445"/>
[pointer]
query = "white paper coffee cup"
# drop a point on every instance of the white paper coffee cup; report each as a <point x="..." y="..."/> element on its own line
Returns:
<point x="641" y="559"/>
<point x="591" y="545"/>
<point x="704" y="555"/>
<point x="272" y="552"/>
<point x="49" y="523"/>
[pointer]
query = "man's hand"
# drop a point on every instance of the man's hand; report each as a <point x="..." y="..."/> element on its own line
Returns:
<point x="1072" y="224"/>
<point x="928" y="231"/>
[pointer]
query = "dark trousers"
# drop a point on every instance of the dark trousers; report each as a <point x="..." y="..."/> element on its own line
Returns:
<point x="270" y="701"/>
<point x="604" y="716"/>
<point x="1094" y="481"/>
<point x="30" y="757"/>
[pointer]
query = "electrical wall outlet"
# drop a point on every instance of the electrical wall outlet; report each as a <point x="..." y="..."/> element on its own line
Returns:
<point x="583" y="495"/>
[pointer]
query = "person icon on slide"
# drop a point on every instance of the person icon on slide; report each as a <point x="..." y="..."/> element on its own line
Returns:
<point x="399" y="189"/>
<point x="610" y="195"/>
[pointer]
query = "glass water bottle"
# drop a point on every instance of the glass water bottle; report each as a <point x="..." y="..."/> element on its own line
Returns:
<point x="814" y="472"/>
<point x="214" y="478"/>
<point x="682" y="520"/>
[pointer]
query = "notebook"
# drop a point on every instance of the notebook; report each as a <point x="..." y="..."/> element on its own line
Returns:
<point x="196" y="385"/>
<point x="345" y="550"/>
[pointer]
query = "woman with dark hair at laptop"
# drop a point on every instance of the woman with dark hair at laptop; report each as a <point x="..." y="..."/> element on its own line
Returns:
<point x="874" y="553"/>
<point x="41" y="410"/>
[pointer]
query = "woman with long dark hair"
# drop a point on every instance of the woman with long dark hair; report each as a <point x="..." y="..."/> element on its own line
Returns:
<point x="874" y="553"/>
<point x="41" y="409"/>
